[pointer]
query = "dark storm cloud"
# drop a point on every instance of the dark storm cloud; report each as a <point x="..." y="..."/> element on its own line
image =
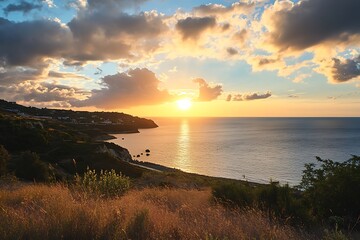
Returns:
<point x="312" y="22"/>
<point x="27" y="43"/>
<point x="206" y="92"/>
<point x="22" y="6"/>
<point x="89" y="36"/>
<point x="103" y="36"/>
<point x="346" y="70"/>
<point x="251" y="96"/>
<point x="193" y="27"/>
<point x="132" y="88"/>
<point x="16" y="75"/>
<point x="94" y="24"/>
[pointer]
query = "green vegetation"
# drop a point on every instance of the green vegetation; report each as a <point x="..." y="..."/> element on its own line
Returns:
<point x="332" y="191"/>
<point x="327" y="196"/>
<point x="280" y="202"/>
<point x="106" y="184"/>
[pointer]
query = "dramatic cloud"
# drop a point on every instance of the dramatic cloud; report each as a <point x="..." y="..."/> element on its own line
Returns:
<point x="346" y="70"/>
<point x="193" y="27"/>
<point x="311" y="22"/>
<point x="28" y="43"/>
<point x="15" y="75"/>
<point x="133" y="88"/>
<point x="91" y="36"/>
<point x="250" y="96"/>
<point x="206" y="92"/>
<point x="23" y="6"/>
<point x="100" y="35"/>
<point x="42" y="92"/>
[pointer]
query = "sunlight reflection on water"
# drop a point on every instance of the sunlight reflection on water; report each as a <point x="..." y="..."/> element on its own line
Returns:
<point x="259" y="148"/>
<point x="183" y="145"/>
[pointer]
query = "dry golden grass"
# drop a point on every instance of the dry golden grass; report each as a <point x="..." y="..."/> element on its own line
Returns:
<point x="56" y="212"/>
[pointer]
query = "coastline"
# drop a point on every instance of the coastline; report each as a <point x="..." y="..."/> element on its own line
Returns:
<point x="192" y="179"/>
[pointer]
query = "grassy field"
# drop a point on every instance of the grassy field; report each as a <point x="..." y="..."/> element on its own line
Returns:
<point x="37" y="211"/>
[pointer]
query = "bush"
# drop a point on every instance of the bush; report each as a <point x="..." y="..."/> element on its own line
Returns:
<point x="106" y="184"/>
<point x="30" y="167"/>
<point x="333" y="189"/>
<point x="283" y="202"/>
<point x="280" y="202"/>
<point x="4" y="158"/>
<point x="231" y="193"/>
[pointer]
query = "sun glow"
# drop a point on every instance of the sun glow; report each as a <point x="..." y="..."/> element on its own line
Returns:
<point x="184" y="104"/>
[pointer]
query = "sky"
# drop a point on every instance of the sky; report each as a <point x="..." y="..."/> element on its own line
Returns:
<point x="253" y="58"/>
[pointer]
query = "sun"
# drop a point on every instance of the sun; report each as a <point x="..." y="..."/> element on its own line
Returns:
<point x="184" y="104"/>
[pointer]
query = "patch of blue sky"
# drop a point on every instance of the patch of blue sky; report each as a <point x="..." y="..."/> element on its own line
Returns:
<point x="321" y="89"/>
<point x="235" y="76"/>
<point x="261" y="52"/>
<point x="303" y="57"/>
<point x="60" y="10"/>
<point x="169" y="7"/>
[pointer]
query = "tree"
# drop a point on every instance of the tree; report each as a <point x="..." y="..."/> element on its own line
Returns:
<point x="30" y="167"/>
<point x="4" y="158"/>
<point x="333" y="189"/>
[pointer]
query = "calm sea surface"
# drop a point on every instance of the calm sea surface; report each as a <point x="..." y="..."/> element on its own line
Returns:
<point x="258" y="149"/>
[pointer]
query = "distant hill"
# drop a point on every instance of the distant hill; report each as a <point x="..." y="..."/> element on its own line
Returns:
<point x="63" y="137"/>
<point x="115" y="122"/>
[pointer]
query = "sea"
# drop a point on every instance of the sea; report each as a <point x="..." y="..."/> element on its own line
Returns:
<point x="252" y="149"/>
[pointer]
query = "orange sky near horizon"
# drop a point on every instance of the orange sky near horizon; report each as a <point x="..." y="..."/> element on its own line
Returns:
<point x="273" y="108"/>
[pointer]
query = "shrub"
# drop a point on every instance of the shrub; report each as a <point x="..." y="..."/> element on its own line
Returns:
<point x="333" y="189"/>
<point x="280" y="202"/>
<point x="283" y="202"/>
<point x="106" y="184"/>
<point x="30" y="167"/>
<point x="4" y="158"/>
<point x="231" y="193"/>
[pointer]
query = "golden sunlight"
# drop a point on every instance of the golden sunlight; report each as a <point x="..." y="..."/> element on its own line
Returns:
<point x="184" y="104"/>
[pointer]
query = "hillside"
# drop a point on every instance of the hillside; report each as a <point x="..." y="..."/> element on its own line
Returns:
<point x="111" y="122"/>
